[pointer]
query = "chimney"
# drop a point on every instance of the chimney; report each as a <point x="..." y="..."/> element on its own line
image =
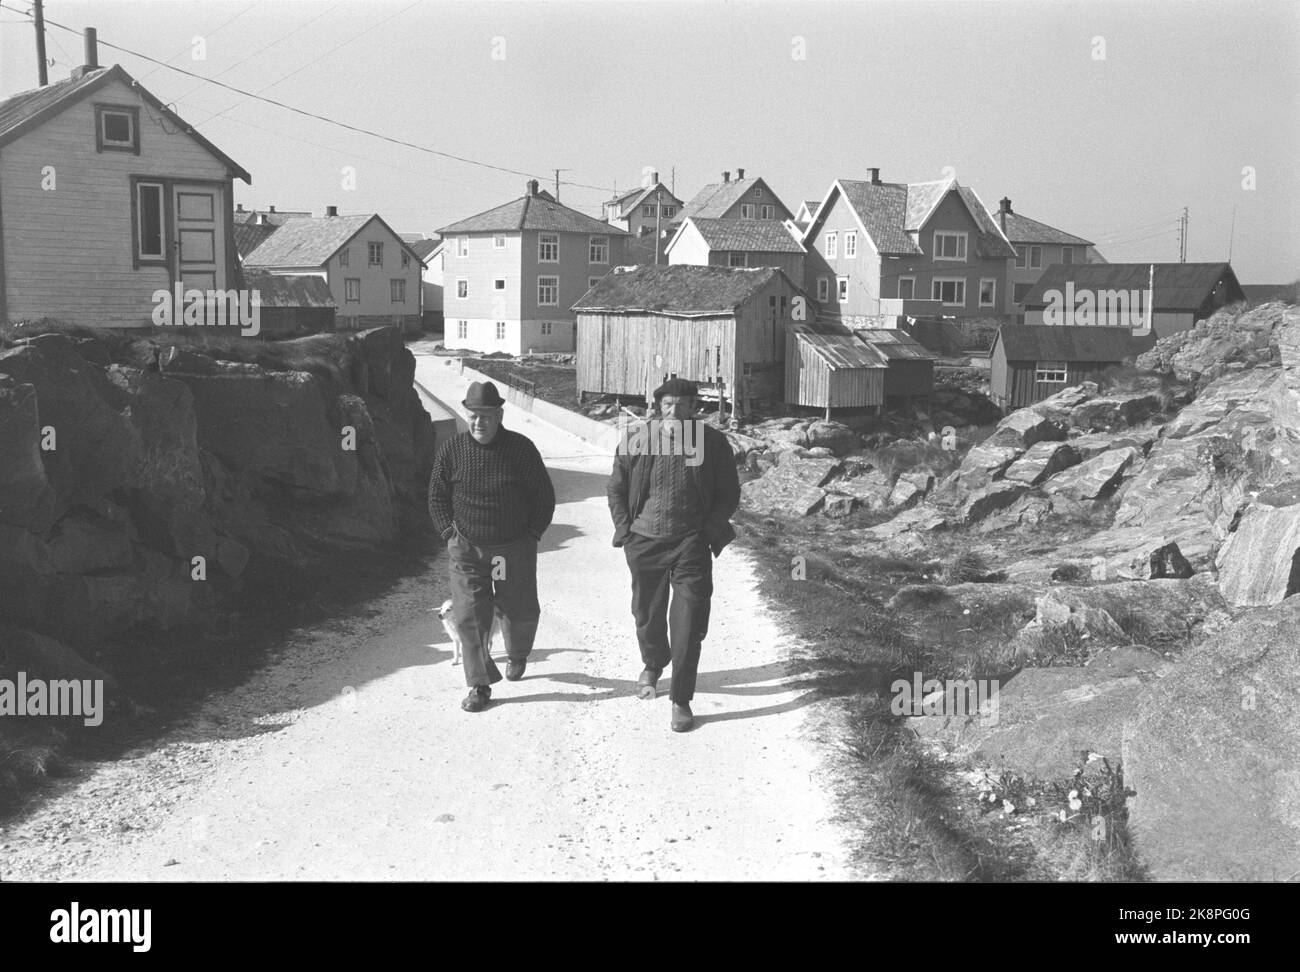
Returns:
<point x="91" y="55"/>
<point x="740" y="173"/>
<point x="532" y="187"/>
<point x="239" y="207"/>
<point x="654" y="179"/>
<point x="875" y="176"/>
<point x="331" y="210"/>
<point x="270" y="209"/>
<point x="1004" y="209"/>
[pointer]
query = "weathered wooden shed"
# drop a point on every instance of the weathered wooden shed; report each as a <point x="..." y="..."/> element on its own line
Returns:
<point x="722" y="328"/>
<point x="292" y="303"/>
<point x="911" y="365"/>
<point x="1029" y="362"/>
<point x="829" y="367"/>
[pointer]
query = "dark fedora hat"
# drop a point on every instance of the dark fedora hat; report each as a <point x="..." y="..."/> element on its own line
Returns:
<point x="483" y="394"/>
<point x="678" y="387"/>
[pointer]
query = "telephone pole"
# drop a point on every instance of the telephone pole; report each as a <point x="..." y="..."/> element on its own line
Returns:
<point x="557" y="182"/>
<point x="1182" y="237"/>
<point x="38" y="14"/>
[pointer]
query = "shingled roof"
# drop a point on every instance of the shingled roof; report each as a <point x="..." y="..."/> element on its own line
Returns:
<point x="1178" y="286"/>
<point x="249" y="236"/>
<point x="627" y="202"/>
<point x="309" y="241"/>
<point x="1022" y="229"/>
<point x="714" y="200"/>
<point x="1038" y="342"/>
<point x="289" y="289"/>
<point x="531" y="212"/>
<point x="679" y="290"/>
<point x="761" y="235"/>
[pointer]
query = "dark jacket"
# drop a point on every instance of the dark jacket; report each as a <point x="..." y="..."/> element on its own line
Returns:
<point x="715" y="477"/>
<point x="492" y="494"/>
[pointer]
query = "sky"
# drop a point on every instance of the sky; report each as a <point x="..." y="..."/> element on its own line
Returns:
<point x="1104" y="119"/>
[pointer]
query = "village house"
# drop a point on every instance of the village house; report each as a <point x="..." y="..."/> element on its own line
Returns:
<point x="431" y="251"/>
<point x="1037" y="247"/>
<point x="1119" y="294"/>
<point x="721" y="328"/>
<point x="1029" y="362"/>
<point x="807" y="211"/>
<point x="737" y="198"/>
<point x="873" y="245"/>
<point x="372" y="273"/>
<point x="514" y="272"/>
<point x="292" y="304"/>
<point x="107" y="197"/>
<point x="705" y="242"/>
<point x="644" y="213"/>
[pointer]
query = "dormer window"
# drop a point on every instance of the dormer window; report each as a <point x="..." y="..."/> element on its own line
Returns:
<point x="117" y="129"/>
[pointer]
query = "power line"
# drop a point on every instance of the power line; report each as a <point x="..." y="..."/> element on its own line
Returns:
<point x="210" y="33"/>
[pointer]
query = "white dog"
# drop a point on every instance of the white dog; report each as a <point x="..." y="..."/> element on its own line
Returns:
<point x="448" y="625"/>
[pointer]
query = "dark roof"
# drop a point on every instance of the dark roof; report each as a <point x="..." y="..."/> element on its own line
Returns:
<point x="266" y="216"/>
<point x="1022" y="229"/>
<point x="890" y="211"/>
<point x="539" y="212"/>
<point x="423" y="248"/>
<point x="289" y="289"/>
<point x="715" y="199"/>
<point x="1261" y="292"/>
<point x="680" y="289"/>
<point x="26" y="110"/>
<point x="763" y="235"/>
<point x="1039" y="342"/>
<point x="1178" y="286"/>
<point x="990" y="243"/>
<point x="249" y="236"/>
<point x="895" y="344"/>
<point x="840" y="350"/>
<point x="628" y="201"/>
<point x="310" y="241"/>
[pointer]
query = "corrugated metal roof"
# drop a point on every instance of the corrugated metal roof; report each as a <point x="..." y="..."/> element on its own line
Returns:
<point x="540" y="212"/>
<point x="680" y="290"/>
<point x="895" y="345"/>
<point x="763" y="235"/>
<point x="289" y="289"/>
<point x="839" y="350"/>
<point x="1022" y="229"/>
<point x="1039" y="342"/>
<point x="1178" y="286"/>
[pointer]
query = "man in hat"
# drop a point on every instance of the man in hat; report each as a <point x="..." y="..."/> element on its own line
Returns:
<point x="491" y="499"/>
<point x="672" y="493"/>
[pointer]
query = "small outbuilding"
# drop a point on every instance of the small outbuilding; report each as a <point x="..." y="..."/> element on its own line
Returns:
<point x="292" y="303"/>
<point x="829" y="367"/>
<point x="911" y="365"/>
<point x="1030" y="362"/>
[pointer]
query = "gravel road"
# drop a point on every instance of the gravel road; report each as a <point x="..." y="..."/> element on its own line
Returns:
<point x="348" y="757"/>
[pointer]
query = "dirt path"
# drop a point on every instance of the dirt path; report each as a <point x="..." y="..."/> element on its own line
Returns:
<point x="349" y="757"/>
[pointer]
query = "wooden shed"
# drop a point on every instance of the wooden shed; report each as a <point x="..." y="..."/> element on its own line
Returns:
<point x="292" y="303"/>
<point x="719" y="327"/>
<point x="1029" y="362"/>
<point x="910" y="372"/>
<point x="829" y="367"/>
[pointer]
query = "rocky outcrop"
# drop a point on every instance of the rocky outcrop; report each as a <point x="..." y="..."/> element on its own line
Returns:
<point x="1041" y="460"/>
<point x="1259" y="564"/>
<point x="1214" y="346"/>
<point x="1092" y="478"/>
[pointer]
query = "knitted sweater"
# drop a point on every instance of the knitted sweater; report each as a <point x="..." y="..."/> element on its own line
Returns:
<point x="492" y="494"/>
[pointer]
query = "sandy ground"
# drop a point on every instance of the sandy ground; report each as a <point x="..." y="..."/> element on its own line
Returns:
<point x="348" y="756"/>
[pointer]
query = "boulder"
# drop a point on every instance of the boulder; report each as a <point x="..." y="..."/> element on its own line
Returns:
<point x="1023" y="427"/>
<point x="1092" y="478"/>
<point x="1229" y="713"/>
<point x="783" y="490"/>
<point x="1041" y="460"/>
<point x="1093" y="444"/>
<point x="919" y="519"/>
<point x="1167" y="561"/>
<point x="910" y="488"/>
<point x="871" y="488"/>
<point x="26" y="497"/>
<point x="814" y="471"/>
<point x="834" y="436"/>
<point x="838" y="505"/>
<point x="1027" y="511"/>
<point x="1062" y="607"/>
<point x="1229" y="337"/>
<point x="990" y="499"/>
<point x="1115" y="411"/>
<point x="1057" y="408"/>
<point x="1259" y="563"/>
<point x="985" y="462"/>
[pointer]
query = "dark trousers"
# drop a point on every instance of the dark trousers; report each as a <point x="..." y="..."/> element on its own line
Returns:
<point x="673" y="633"/>
<point x="482" y="578"/>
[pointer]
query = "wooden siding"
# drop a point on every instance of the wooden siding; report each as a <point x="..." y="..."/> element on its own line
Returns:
<point x="1012" y="382"/>
<point x="909" y="378"/>
<point x="69" y="251"/>
<point x="809" y="380"/>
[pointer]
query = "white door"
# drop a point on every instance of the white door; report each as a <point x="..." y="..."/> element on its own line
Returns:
<point x="200" y="241"/>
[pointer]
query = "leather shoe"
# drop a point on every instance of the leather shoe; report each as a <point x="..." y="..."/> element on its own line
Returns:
<point x="682" y="718"/>
<point x="646" y="683"/>
<point x="515" y="670"/>
<point x="477" y="700"/>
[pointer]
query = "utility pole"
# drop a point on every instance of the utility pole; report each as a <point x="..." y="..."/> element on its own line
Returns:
<point x="659" y="209"/>
<point x="557" y="182"/>
<point x="1182" y="237"/>
<point x="38" y="14"/>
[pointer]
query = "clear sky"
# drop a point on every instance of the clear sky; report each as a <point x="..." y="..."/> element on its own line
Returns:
<point x="1104" y="119"/>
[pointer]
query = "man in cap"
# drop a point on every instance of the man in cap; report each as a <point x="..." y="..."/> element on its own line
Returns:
<point x="491" y="499"/>
<point x="672" y="493"/>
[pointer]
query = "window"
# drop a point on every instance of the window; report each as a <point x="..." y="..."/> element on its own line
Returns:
<point x="598" y="249"/>
<point x="499" y="283"/>
<point x="352" y="289"/>
<point x="766" y="212"/>
<point x="398" y="288"/>
<point x="851" y="244"/>
<point x="737" y="258"/>
<point x="498" y="242"/>
<point x="547" y="328"/>
<point x="832" y="246"/>
<point x="376" y="251"/>
<point x="548" y="291"/>
<point x="1020" y="258"/>
<point x="548" y="248"/>
<point x="669" y="211"/>
<point x="406" y="260"/>
<point x="823" y="289"/>
<point x="951" y="292"/>
<point x="1035" y="257"/>
<point x="988" y="291"/>
<point x="1020" y="292"/>
<point x="949" y="246"/>
<point x="343" y="257"/>
<point x="501" y="330"/>
<point x="462" y="329"/>
<point x="842" y="288"/>
<point x="592" y="281"/>
<point x="648" y="210"/>
<point x="1067" y="254"/>
<point x="1052" y="371"/>
<point x="758" y="192"/>
<point x="746" y="210"/>
<point x="117" y="129"/>
<point x="149" y="221"/>
<point x="906" y="288"/>
<point x="462" y="246"/>
<point x="462" y="289"/>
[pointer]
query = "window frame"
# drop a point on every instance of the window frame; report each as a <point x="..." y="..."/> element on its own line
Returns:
<point x="1047" y="367"/>
<point x="462" y="246"/>
<point x="406" y="260"/>
<point x="938" y="282"/>
<point x="851" y="244"/>
<point x="397" y="285"/>
<point x="351" y="285"/>
<point x="344" y="256"/>
<point x="993" y="299"/>
<point x="592" y="243"/>
<point x="831" y="246"/>
<point x="556" y="285"/>
<point x="823" y="289"/>
<point x="912" y="281"/>
<point x="465" y="288"/>
<point x="667" y="212"/>
<point x="501" y="330"/>
<point x="592" y="281"/>
<point x="841" y="290"/>
<point x="1067" y="255"/>
<point x="498" y="242"/>
<point x="731" y="259"/>
<point x="371" y="251"/>
<point x="462" y="329"/>
<point x="545" y="240"/>
<point x="1035" y="258"/>
<point x="548" y="328"/>
<point x="141" y="259"/>
<point x="767" y="211"/>
<point x="747" y="211"/>
<point x="498" y="283"/>
<point x="102" y="144"/>
<point x="1022" y="257"/>
<point x="959" y="235"/>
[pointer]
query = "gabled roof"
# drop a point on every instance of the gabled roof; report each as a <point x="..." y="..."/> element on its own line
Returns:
<point x="249" y="236"/>
<point x="990" y="244"/>
<point x="424" y="248"/>
<point x="28" y="109"/>
<point x="539" y="212"/>
<point x="310" y="241"/>
<point x="715" y="199"/>
<point x="755" y="235"/>
<point x="894" y="344"/>
<point x="1178" y="286"/>
<point x="267" y="216"/>
<point x="289" y="289"/>
<point x="1039" y="342"/>
<point x="679" y="290"/>
<point x="839" y="349"/>
<point x="628" y="201"/>
<point x="1022" y="229"/>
